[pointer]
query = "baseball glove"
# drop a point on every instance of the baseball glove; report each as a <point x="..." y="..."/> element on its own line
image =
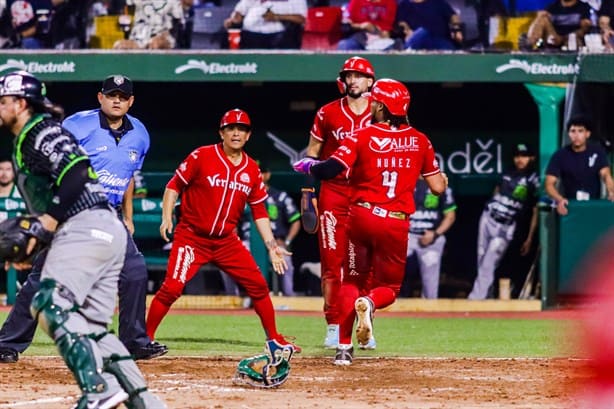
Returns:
<point x="309" y="210"/>
<point x="15" y="234"/>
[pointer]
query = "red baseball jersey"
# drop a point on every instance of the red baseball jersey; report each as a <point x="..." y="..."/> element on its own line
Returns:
<point x="214" y="191"/>
<point x="333" y="123"/>
<point x="379" y="12"/>
<point x="386" y="164"/>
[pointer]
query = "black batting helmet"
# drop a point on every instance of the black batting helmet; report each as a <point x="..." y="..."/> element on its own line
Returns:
<point x="25" y="85"/>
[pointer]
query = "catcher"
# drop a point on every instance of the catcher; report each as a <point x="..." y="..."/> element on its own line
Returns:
<point x="84" y="246"/>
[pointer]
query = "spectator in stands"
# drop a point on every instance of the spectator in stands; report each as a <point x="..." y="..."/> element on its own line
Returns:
<point x="8" y="37"/>
<point x="428" y="25"/>
<point x="184" y="35"/>
<point x="153" y="27"/>
<point x="553" y="27"/>
<point x="69" y="24"/>
<point x="605" y="15"/>
<point x="368" y="24"/>
<point x="269" y="24"/>
<point x="31" y="21"/>
<point x="580" y="167"/>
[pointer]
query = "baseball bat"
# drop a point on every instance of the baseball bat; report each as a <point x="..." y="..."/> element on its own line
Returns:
<point x="527" y="288"/>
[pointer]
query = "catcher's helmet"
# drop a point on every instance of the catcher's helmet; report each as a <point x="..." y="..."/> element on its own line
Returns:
<point x="235" y="116"/>
<point x="391" y="93"/>
<point x="25" y="85"/>
<point x="357" y="64"/>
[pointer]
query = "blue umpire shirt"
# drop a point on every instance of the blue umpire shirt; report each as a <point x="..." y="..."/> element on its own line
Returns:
<point x="115" y="154"/>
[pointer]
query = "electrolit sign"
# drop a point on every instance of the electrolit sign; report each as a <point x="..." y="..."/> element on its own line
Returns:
<point x="38" y="67"/>
<point x="475" y="157"/>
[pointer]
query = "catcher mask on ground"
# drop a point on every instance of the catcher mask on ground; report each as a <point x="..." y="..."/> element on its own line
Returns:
<point x="258" y="371"/>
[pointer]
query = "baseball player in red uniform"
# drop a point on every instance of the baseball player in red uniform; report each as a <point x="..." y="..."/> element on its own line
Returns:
<point x="215" y="183"/>
<point x="332" y="124"/>
<point x="386" y="159"/>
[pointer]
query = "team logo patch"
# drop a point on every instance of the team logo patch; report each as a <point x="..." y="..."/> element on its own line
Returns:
<point x="133" y="156"/>
<point x="13" y="85"/>
<point x="118" y="80"/>
<point x="244" y="178"/>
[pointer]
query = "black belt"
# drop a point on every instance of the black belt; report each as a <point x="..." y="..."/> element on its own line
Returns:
<point x="104" y="206"/>
<point x="381" y="212"/>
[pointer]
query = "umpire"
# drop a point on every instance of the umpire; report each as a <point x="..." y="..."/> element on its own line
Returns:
<point x="100" y="132"/>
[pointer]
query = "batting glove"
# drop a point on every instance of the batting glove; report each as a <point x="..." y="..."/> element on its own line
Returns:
<point x="304" y="165"/>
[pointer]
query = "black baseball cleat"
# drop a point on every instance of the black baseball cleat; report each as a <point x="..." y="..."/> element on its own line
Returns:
<point x="8" y="355"/>
<point x="152" y="350"/>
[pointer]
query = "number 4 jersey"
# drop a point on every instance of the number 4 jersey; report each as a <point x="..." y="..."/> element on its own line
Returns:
<point x="391" y="161"/>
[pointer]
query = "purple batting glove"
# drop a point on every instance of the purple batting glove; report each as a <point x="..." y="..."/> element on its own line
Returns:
<point x="304" y="165"/>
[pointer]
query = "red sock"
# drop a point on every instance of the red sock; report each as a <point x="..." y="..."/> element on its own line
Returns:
<point x="266" y="312"/>
<point x="347" y="297"/>
<point x="157" y="311"/>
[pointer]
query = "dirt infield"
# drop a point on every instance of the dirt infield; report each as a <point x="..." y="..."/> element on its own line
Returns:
<point x="198" y="383"/>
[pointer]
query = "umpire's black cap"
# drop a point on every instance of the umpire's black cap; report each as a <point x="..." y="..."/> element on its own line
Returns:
<point x="119" y="83"/>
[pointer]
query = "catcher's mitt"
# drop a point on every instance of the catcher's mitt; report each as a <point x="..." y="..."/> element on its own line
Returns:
<point x="309" y="210"/>
<point x="15" y="234"/>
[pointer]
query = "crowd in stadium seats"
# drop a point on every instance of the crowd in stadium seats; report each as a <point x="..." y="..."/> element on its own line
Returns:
<point x="320" y="25"/>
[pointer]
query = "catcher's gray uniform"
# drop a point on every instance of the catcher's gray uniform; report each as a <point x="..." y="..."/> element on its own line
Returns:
<point x="430" y="210"/>
<point x="517" y="191"/>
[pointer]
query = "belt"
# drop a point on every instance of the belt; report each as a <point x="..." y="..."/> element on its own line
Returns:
<point x="104" y="206"/>
<point x="378" y="211"/>
<point x="501" y="219"/>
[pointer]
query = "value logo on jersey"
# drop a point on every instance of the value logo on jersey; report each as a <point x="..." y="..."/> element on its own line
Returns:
<point x="384" y="145"/>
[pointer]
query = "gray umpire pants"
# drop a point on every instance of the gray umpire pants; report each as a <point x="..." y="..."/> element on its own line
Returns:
<point x="493" y="240"/>
<point x="429" y="261"/>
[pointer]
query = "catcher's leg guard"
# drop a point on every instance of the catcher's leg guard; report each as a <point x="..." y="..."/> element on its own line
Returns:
<point x="119" y="363"/>
<point x="112" y="366"/>
<point x="52" y="306"/>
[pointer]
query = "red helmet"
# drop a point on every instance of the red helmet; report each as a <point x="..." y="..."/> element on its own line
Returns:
<point x="391" y="93"/>
<point x="357" y="64"/>
<point x="235" y="116"/>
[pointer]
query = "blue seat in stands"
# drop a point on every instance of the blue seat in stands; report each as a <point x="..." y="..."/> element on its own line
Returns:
<point x="209" y="31"/>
